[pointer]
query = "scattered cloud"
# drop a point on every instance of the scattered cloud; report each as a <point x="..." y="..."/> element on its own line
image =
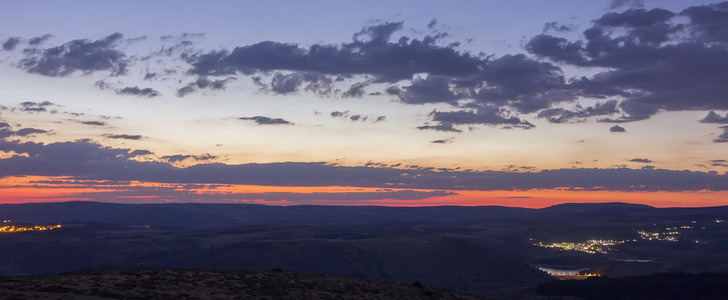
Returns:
<point x="78" y="55"/>
<point x="6" y="132"/>
<point x="261" y="120"/>
<point x="136" y="91"/>
<point x="578" y="114"/>
<point x="723" y="137"/>
<point x="488" y="115"/>
<point x="30" y="106"/>
<point x="204" y="83"/>
<point x="432" y="23"/>
<point x="123" y="136"/>
<point x="558" y="27"/>
<point x="719" y="163"/>
<point x="11" y="43"/>
<point x="443" y="141"/>
<point x="713" y="117"/>
<point x="617" y="128"/>
<point x="34" y="41"/>
<point x="356" y="117"/>
<point x="136" y="153"/>
<point x="29" y="131"/>
<point x="615" y="4"/>
<point x="180" y="157"/>
<point x="641" y="160"/>
<point x="442" y="126"/>
<point x="93" y="123"/>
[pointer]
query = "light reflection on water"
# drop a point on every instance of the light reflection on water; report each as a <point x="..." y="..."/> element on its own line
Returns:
<point x="561" y="272"/>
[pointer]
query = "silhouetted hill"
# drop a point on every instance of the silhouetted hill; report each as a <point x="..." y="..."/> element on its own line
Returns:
<point x="601" y="208"/>
<point x="195" y="215"/>
<point x="200" y="284"/>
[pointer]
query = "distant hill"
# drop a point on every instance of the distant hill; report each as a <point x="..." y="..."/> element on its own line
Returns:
<point x="197" y="215"/>
<point x="201" y="284"/>
<point x="602" y="208"/>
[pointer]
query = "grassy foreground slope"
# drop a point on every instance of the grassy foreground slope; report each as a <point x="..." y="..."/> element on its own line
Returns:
<point x="199" y="284"/>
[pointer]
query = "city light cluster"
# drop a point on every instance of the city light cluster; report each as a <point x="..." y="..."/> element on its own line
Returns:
<point x="669" y="236"/>
<point x="13" y="228"/>
<point x="590" y="246"/>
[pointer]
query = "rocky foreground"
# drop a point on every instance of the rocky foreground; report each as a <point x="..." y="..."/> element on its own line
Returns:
<point x="198" y="284"/>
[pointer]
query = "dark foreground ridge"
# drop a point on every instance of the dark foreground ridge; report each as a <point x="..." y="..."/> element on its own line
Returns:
<point x="655" y="286"/>
<point x="202" y="284"/>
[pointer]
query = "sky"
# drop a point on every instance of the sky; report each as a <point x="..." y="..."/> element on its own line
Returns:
<point x="406" y="103"/>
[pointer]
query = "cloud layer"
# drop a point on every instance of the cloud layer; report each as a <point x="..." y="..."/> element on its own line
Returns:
<point x="88" y="160"/>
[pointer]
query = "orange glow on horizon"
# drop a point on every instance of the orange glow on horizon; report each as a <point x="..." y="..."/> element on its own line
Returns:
<point x="57" y="189"/>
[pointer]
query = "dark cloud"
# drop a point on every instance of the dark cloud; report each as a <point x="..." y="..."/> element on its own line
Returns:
<point x="120" y="191"/>
<point x="337" y="114"/>
<point x="260" y="120"/>
<point x="442" y="126"/>
<point x="719" y="163"/>
<point x="345" y="196"/>
<point x="432" y="89"/>
<point x="356" y="90"/>
<point x="437" y="73"/>
<point x="488" y="115"/>
<point x="713" y="117"/>
<point x="29" y="131"/>
<point x="579" y="114"/>
<point x="11" y="43"/>
<point x="641" y="160"/>
<point x="558" y="27"/>
<point x="30" y="106"/>
<point x="101" y="84"/>
<point x="443" y="141"/>
<point x="6" y="132"/>
<point x="630" y="3"/>
<point x="432" y="24"/>
<point x="136" y="91"/>
<point x="60" y="157"/>
<point x="184" y="91"/>
<point x="358" y="117"/>
<point x="654" y="59"/>
<point x="371" y="53"/>
<point x="709" y="22"/>
<point x="291" y="83"/>
<point x="393" y="90"/>
<point x="123" y="136"/>
<point x="378" y="34"/>
<point x="180" y="157"/>
<point x="77" y="55"/>
<point x="34" y="41"/>
<point x="723" y="137"/>
<point x="522" y="83"/>
<point x="140" y="153"/>
<point x="93" y="123"/>
<point x="91" y="161"/>
<point x="617" y="128"/>
<point x="204" y="83"/>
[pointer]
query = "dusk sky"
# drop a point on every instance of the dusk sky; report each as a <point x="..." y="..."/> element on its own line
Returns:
<point x="514" y="103"/>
